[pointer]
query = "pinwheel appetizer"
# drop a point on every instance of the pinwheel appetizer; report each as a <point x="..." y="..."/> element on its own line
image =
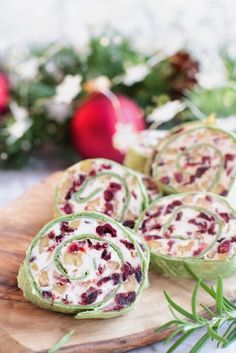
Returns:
<point x="84" y="264"/>
<point x="152" y="189"/>
<point x="103" y="186"/>
<point x="194" y="228"/>
<point x="195" y="157"/>
<point x="138" y="154"/>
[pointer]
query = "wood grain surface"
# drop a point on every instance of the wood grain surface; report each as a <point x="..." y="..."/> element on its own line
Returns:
<point x="25" y="328"/>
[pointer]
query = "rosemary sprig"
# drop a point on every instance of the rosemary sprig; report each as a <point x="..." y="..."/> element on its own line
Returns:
<point x="210" y="319"/>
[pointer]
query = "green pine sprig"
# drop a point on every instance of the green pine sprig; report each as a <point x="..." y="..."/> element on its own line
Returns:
<point x="212" y="320"/>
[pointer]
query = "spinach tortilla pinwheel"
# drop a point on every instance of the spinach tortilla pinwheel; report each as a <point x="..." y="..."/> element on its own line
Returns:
<point x="102" y="186"/>
<point x="195" y="157"/>
<point x="84" y="264"/>
<point x="152" y="189"/>
<point x="138" y="154"/>
<point x="195" y="228"/>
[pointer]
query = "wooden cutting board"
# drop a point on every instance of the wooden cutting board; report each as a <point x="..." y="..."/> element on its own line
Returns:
<point x="25" y="328"/>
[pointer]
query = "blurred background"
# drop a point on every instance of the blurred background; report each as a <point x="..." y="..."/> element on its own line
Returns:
<point x="79" y="79"/>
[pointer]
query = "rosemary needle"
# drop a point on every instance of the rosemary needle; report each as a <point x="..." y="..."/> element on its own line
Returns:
<point x="211" y="319"/>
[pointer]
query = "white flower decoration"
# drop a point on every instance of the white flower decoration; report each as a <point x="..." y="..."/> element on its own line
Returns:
<point x="21" y="124"/>
<point x="124" y="136"/>
<point x="165" y="112"/>
<point x="135" y="74"/>
<point x="68" y="89"/>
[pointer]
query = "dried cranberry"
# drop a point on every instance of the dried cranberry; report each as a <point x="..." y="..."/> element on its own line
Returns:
<point x="129" y="223"/>
<point x="127" y="270"/>
<point x="108" y="208"/>
<point x="152" y="237"/>
<point x="125" y="298"/>
<point x="59" y="238"/>
<point x="92" y="173"/>
<point x="224" y="247"/>
<point x="138" y="274"/>
<point x="202" y="226"/>
<point x="51" y="248"/>
<point x="69" y="193"/>
<point x="108" y="195"/>
<point x="211" y="229"/>
<point x="228" y="157"/>
<point x="67" y="208"/>
<point x="170" y="243"/>
<point x="167" y="235"/>
<point x="115" y="186"/>
<point x="117" y="307"/>
<point x="115" y="278"/>
<point x="224" y="193"/>
<point x="100" y="246"/>
<point x="65" y="228"/>
<point x="106" y="166"/>
<point x="106" y="229"/>
<point x="101" y="269"/>
<point x="225" y="216"/>
<point x="179" y="216"/>
<point x="206" y="160"/>
<point x="200" y="171"/>
<point x="171" y="228"/>
<point x="46" y="294"/>
<point x="32" y="258"/>
<point x="233" y="240"/>
<point x="63" y="280"/>
<point x="106" y="255"/>
<point x="197" y="252"/>
<point x="178" y="177"/>
<point x="172" y="205"/>
<point x="205" y="216"/>
<point x="90" y="244"/>
<point x="51" y="235"/>
<point x="103" y="280"/>
<point x="157" y="226"/>
<point x="90" y="296"/>
<point x="127" y="244"/>
<point x="165" y="180"/>
<point x="80" y="179"/>
<point x="208" y="198"/>
<point x="73" y="248"/>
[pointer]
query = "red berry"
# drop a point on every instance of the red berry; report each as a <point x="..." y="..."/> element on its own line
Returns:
<point x="224" y="247"/>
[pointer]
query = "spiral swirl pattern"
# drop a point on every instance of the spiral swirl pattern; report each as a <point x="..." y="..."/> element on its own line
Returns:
<point x="86" y="264"/>
<point x="190" y="226"/>
<point x="103" y="186"/>
<point x="194" y="157"/>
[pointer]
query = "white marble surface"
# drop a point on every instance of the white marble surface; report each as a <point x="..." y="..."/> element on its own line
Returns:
<point x="14" y="183"/>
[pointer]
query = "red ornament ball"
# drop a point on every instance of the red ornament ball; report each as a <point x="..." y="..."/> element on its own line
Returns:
<point x="96" y="121"/>
<point x="4" y="92"/>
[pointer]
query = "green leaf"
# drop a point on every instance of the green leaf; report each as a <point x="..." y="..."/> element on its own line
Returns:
<point x="212" y="332"/>
<point x="194" y="299"/>
<point x="61" y="342"/>
<point x="199" y="344"/>
<point x="165" y="326"/>
<point x="179" y="341"/>
<point x="208" y="310"/>
<point x="230" y="334"/>
<point x="178" y="308"/>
